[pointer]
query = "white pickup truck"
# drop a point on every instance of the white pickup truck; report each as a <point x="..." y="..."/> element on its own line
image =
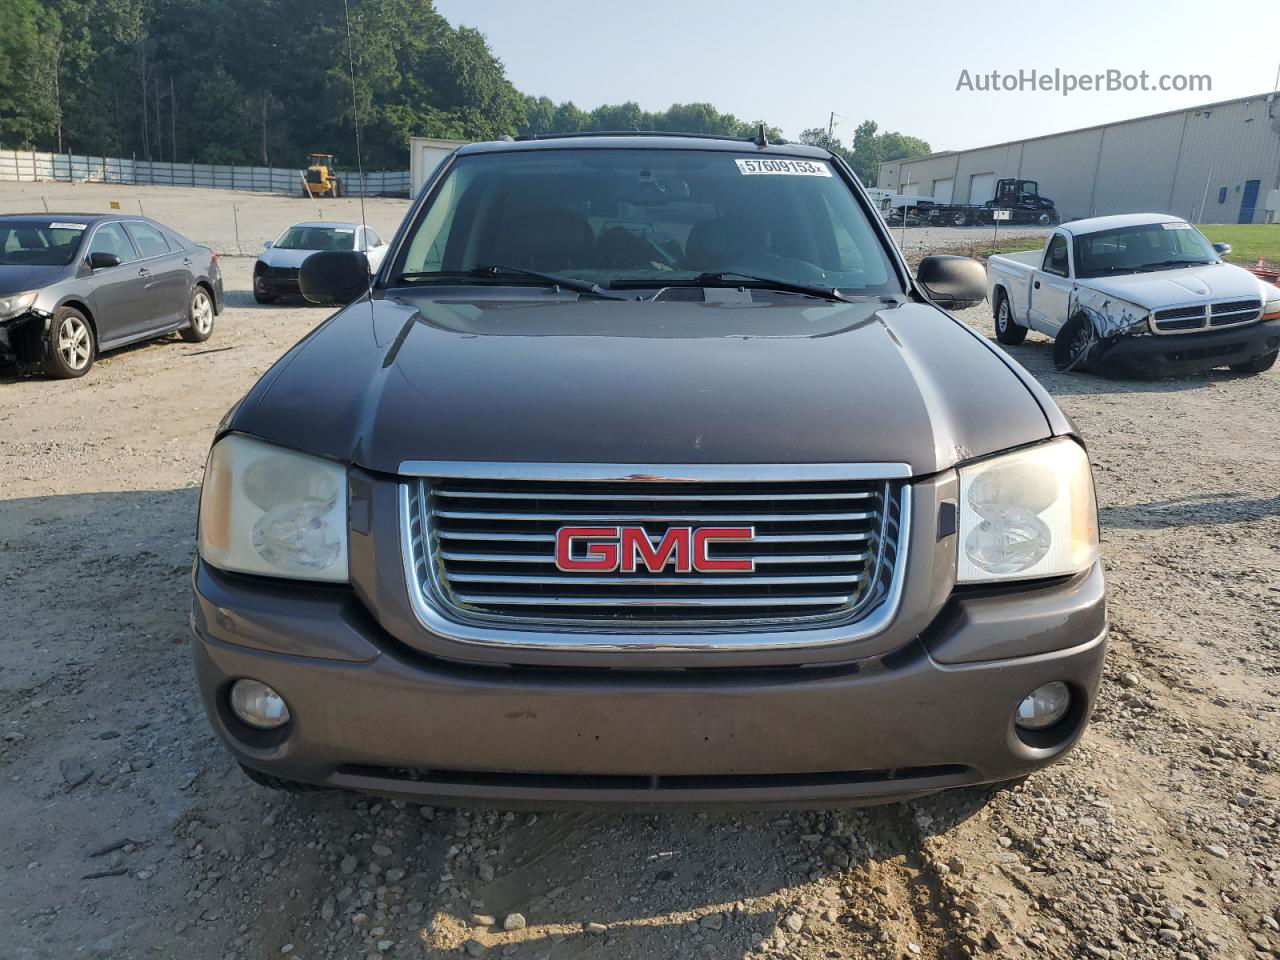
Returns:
<point x="1141" y="292"/>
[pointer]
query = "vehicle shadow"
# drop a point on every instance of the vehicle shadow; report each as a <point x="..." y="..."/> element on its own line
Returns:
<point x="1199" y="510"/>
<point x="1036" y="354"/>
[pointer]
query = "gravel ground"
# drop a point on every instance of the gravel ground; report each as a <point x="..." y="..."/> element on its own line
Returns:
<point x="130" y="834"/>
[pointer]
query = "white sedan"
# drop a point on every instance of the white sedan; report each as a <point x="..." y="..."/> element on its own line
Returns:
<point x="275" y="274"/>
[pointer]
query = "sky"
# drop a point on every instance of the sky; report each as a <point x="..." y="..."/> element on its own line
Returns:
<point x="899" y="64"/>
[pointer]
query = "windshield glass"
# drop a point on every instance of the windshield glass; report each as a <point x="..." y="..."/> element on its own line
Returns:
<point x="304" y="237"/>
<point x="46" y="243"/>
<point x="1148" y="246"/>
<point x="637" y="216"/>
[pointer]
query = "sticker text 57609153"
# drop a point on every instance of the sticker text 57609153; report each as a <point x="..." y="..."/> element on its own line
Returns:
<point x="784" y="167"/>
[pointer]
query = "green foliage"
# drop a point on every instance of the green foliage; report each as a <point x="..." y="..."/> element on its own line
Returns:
<point x="267" y="81"/>
<point x="542" y="116"/>
<point x="869" y="148"/>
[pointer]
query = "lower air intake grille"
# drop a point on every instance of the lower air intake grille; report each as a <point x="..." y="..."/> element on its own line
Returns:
<point x="672" y="554"/>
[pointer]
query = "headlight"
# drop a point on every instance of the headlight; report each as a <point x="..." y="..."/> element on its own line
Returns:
<point x="1027" y="514"/>
<point x="268" y="510"/>
<point x="16" y="303"/>
<point x="1270" y="310"/>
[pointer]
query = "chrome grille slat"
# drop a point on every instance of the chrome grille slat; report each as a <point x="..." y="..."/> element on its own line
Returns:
<point x="675" y="497"/>
<point x="558" y="601"/>
<point x="650" y="581"/>
<point x="704" y="518"/>
<point x="462" y="556"/>
<point x="824" y="551"/>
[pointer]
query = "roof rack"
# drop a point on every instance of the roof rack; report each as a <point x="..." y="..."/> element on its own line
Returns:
<point x="752" y="138"/>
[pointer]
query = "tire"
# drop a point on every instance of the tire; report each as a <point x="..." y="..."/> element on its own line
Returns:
<point x="1073" y="344"/>
<point x="73" y="346"/>
<point x="959" y="219"/>
<point x="1007" y="332"/>
<point x="277" y="783"/>
<point x="1257" y="364"/>
<point x="1045" y="219"/>
<point x="200" y="316"/>
<point x="264" y="297"/>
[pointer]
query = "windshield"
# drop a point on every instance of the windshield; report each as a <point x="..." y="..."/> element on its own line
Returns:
<point x="303" y="237"/>
<point x="46" y="243"/>
<point x="660" y="217"/>
<point x="1150" y="246"/>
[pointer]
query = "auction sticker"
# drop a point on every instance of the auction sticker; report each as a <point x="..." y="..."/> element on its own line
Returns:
<point x="1176" y="225"/>
<point x="780" y="167"/>
<point x="67" y="226"/>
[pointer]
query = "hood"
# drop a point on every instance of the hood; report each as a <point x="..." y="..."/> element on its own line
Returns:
<point x="1169" y="288"/>
<point x="643" y="382"/>
<point x="23" y="277"/>
<point x="275" y="257"/>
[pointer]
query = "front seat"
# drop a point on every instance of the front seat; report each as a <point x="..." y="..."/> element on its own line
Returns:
<point x="722" y="243"/>
<point x="544" y="239"/>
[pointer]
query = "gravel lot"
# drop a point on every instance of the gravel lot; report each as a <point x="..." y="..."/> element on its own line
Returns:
<point x="128" y="833"/>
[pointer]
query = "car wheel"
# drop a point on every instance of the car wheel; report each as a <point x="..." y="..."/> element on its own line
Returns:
<point x="1007" y="332"/>
<point x="1073" y="344"/>
<point x="959" y="219"/>
<point x="277" y="783"/>
<point x="199" y="317"/>
<point x="1257" y="364"/>
<point x="1044" y="219"/>
<point x="72" y="345"/>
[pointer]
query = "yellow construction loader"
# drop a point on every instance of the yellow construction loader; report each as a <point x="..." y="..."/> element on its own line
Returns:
<point x="321" y="179"/>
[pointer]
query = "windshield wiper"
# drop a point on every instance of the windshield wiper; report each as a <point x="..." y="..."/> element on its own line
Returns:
<point x="773" y="283"/>
<point x="1165" y="264"/>
<point x="498" y="270"/>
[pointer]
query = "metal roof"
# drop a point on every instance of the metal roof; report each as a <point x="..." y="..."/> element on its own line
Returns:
<point x="642" y="140"/>
<point x="1096" y="126"/>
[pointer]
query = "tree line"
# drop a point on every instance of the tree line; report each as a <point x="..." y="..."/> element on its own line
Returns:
<point x="267" y="81"/>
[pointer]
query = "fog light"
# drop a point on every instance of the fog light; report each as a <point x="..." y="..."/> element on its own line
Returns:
<point x="258" y="705"/>
<point x="1043" y="706"/>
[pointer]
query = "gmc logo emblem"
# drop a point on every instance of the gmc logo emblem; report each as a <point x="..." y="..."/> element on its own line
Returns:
<point x="628" y="549"/>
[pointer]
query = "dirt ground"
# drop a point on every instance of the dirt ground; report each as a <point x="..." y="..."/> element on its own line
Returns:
<point x="129" y="833"/>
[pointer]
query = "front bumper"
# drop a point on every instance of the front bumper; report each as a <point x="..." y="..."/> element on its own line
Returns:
<point x="273" y="282"/>
<point x="371" y="713"/>
<point x="1180" y="353"/>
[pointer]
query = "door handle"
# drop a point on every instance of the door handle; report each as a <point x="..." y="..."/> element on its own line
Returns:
<point x="144" y="272"/>
<point x="186" y="261"/>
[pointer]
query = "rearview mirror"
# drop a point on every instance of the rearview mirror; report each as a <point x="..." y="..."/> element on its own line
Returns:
<point x="100" y="260"/>
<point x="334" y="277"/>
<point x="953" y="281"/>
<point x="1222" y="248"/>
<point x="267" y="245"/>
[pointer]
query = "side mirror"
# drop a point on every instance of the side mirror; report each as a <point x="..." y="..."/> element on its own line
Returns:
<point x="1222" y="248"/>
<point x="100" y="260"/>
<point x="953" y="281"/>
<point x="334" y="277"/>
<point x="267" y="245"/>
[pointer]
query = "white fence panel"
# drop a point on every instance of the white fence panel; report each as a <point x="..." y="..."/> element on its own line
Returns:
<point x="26" y="165"/>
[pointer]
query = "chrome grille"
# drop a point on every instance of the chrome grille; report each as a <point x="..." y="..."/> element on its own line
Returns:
<point x="483" y="550"/>
<point x="1203" y="316"/>
<point x="1236" y="311"/>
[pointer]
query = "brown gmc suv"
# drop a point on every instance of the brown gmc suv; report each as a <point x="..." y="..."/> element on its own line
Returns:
<point x="645" y="472"/>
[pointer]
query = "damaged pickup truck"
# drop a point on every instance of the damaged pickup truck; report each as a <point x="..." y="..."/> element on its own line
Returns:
<point x="1143" y="293"/>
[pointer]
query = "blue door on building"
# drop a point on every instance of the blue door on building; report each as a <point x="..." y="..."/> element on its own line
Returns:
<point x="1249" y="200"/>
